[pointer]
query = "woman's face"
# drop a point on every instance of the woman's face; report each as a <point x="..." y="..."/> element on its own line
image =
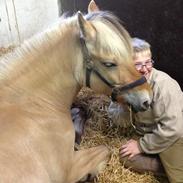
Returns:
<point x="144" y="63"/>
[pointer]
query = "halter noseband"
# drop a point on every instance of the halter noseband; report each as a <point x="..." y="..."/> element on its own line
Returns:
<point x="90" y="68"/>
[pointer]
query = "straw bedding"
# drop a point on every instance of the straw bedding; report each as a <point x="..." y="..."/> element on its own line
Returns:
<point x="99" y="130"/>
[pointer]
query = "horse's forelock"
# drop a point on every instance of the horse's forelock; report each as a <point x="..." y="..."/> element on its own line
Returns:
<point x="110" y="18"/>
<point x="114" y="23"/>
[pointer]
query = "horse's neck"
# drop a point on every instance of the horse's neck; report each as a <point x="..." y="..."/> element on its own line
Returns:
<point x="48" y="71"/>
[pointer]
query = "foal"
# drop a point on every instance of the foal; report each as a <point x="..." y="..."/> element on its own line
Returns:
<point x="38" y="85"/>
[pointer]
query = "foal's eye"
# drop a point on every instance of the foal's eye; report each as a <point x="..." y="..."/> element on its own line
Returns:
<point x="109" y="64"/>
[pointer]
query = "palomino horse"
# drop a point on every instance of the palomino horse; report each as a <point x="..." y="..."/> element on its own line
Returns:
<point x="38" y="85"/>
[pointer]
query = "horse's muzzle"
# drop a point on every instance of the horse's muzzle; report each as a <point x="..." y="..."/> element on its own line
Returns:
<point x="114" y="96"/>
<point x="138" y="103"/>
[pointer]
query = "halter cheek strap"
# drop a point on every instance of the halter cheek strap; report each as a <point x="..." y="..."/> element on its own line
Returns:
<point x="90" y="66"/>
<point x="88" y="74"/>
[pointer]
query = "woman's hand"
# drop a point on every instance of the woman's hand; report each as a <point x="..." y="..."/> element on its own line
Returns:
<point x="131" y="148"/>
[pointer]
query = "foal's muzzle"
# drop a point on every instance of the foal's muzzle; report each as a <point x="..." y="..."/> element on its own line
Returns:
<point x="140" y="104"/>
<point x="137" y="99"/>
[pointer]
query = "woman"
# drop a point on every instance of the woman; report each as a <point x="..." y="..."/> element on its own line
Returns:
<point x="161" y="126"/>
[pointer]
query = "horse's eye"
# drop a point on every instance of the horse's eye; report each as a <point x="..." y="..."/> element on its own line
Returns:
<point x="109" y="64"/>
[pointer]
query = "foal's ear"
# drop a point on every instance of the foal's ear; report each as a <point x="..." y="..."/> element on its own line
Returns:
<point x="92" y="7"/>
<point x="87" y="30"/>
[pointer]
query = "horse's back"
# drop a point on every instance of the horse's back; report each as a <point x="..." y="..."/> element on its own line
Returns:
<point x="29" y="146"/>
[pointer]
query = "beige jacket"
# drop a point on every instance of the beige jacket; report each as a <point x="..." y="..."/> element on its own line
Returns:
<point x="162" y="124"/>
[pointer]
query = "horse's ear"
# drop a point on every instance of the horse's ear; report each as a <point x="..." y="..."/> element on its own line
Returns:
<point x="87" y="30"/>
<point x="92" y="7"/>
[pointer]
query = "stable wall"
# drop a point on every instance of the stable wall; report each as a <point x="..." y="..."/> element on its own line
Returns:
<point x="20" y="19"/>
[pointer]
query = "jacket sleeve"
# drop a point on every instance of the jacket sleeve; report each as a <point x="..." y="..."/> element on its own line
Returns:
<point x="167" y="111"/>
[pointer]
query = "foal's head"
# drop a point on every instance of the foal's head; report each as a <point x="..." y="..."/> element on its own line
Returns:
<point x="108" y="63"/>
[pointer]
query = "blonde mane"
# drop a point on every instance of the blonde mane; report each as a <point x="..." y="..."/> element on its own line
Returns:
<point x="38" y="59"/>
<point x="118" y="33"/>
<point x="35" y="47"/>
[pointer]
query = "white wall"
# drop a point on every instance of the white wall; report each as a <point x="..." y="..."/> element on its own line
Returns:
<point x="20" y="19"/>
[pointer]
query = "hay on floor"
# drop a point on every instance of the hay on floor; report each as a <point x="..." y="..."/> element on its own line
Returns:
<point x="99" y="130"/>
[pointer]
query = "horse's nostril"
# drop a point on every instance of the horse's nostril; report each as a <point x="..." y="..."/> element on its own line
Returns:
<point x="113" y="96"/>
<point x="146" y="104"/>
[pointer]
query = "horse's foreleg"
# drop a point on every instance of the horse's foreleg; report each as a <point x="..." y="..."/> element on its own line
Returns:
<point x="88" y="161"/>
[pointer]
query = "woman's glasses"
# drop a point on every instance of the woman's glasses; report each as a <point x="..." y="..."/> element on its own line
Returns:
<point x="148" y="64"/>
